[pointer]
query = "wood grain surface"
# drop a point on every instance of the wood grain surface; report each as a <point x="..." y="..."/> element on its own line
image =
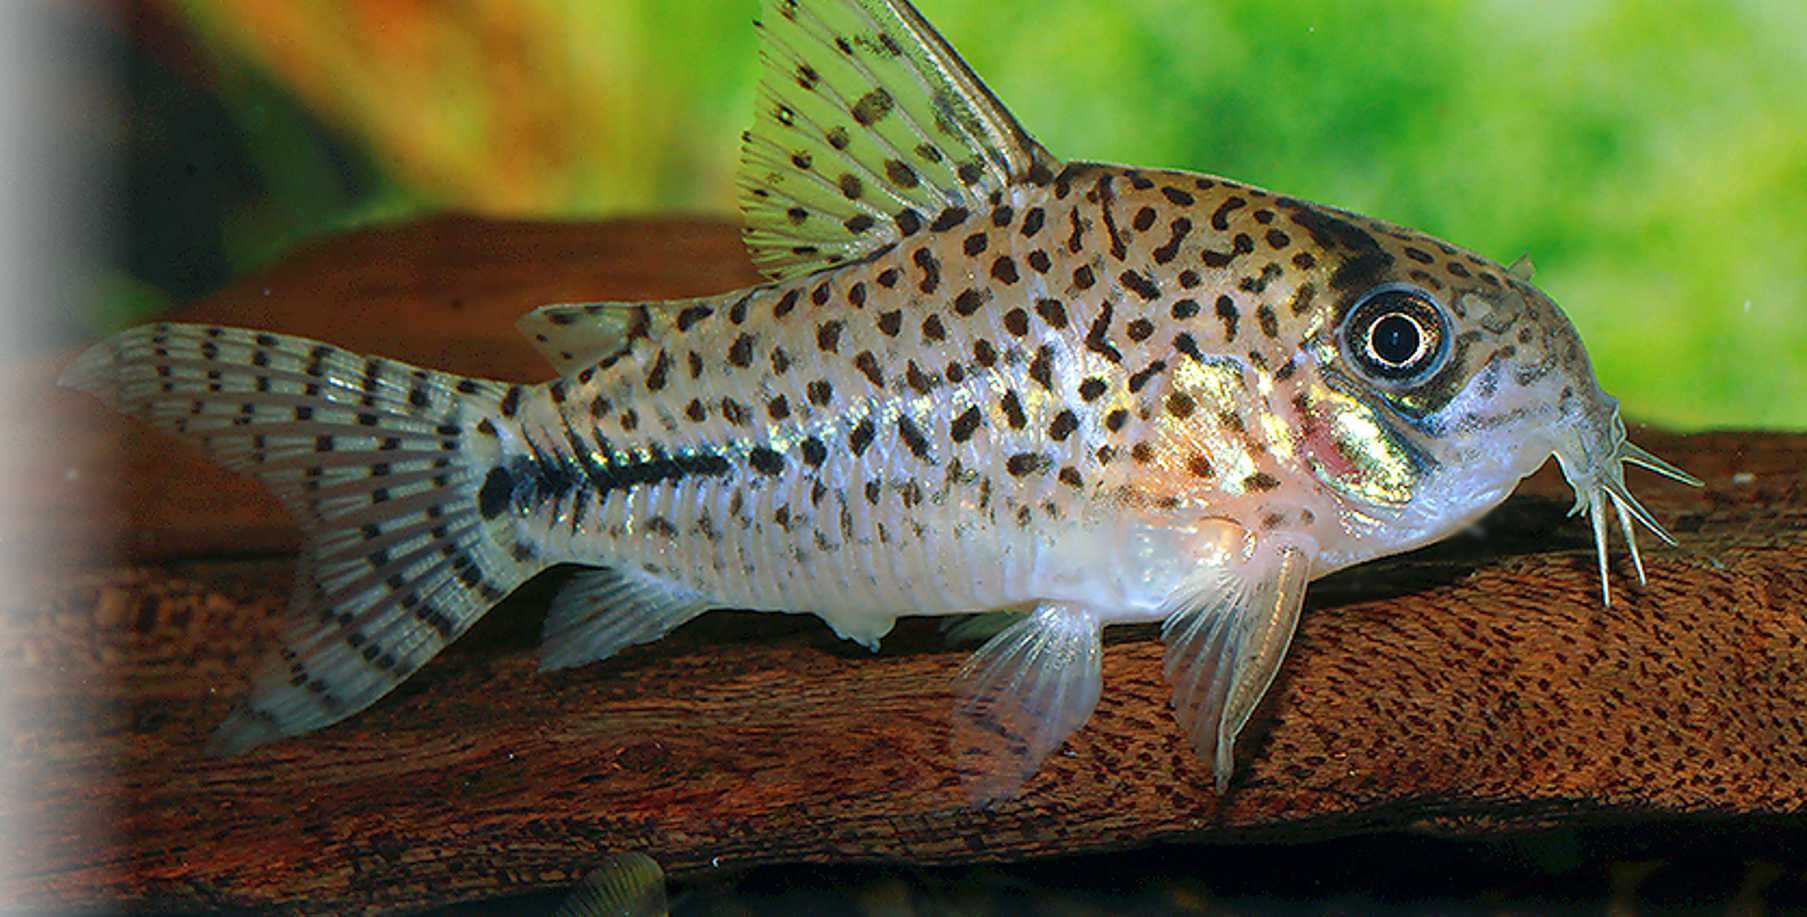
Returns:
<point x="1472" y="688"/>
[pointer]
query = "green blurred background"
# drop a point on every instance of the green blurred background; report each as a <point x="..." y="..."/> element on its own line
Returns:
<point x="1650" y="156"/>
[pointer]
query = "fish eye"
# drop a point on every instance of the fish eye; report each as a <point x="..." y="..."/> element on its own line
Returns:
<point x="1397" y="334"/>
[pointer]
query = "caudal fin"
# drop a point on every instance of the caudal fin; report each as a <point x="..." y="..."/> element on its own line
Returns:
<point x="381" y="463"/>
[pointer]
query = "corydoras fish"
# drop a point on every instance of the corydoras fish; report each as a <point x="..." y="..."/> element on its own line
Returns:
<point x="980" y="378"/>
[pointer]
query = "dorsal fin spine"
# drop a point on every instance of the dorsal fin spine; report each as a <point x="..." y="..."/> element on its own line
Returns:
<point x="998" y="145"/>
<point x="865" y="71"/>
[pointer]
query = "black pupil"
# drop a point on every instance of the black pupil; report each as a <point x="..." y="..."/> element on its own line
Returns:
<point x="1395" y="339"/>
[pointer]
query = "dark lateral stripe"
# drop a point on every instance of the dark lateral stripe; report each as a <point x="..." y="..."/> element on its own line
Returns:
<point x="611" y="477"/>
<point x="528" y="481"/>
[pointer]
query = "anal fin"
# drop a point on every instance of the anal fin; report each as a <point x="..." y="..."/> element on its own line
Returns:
<point x="1022" y="694"/>
<point x="604" y="610"/>
<point x="1225" y="644"/>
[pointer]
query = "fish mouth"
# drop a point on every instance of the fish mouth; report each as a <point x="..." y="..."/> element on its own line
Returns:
<point x="1598" y="478"/>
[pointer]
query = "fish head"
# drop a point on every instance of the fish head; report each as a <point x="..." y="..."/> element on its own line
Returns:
<point x="1438" y="380"/>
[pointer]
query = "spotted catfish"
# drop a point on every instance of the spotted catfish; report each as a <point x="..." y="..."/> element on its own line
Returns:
<point x="980" y="378"/>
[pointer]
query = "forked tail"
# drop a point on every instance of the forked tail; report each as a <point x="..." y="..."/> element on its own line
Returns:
<point x="381" y="463"/>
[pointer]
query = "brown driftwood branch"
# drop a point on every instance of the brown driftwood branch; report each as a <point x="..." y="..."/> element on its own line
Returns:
<point x="1473" y="687"/>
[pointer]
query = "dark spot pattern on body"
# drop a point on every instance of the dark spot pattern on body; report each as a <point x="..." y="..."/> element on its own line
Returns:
<point x="913" y="439"/>
<point x="1229" y="315"/>
<point x="1016" y="321"/>
<point x="1302" y="298"/>
<point x="931" y="270"/>
<point x="1013" y="410"/>
<point x="655" y="378"/>
<point x="1220" y="218"/>
<point x="1141" y="377"/>
<point x="1178" y="230"/>
<point x="1003" y="270"/>
<point x="921" y="382"/>
<point x="735" y="413"/>
<point x="1097" y="339"/>
<point x="963" y="426"/>
<point x="1270" y="324"/>
<point x="1258" y="284"/>
<point x="740" y="353"/>
<point x="968" y="302"/>
<point x="1026" y="463"/>
<point x="1076" y="235"/>
<point x="1140" y="284"/>
<point x="1033" y="219"/>
<point x="786" y="303"/>
<point x="948" y="219"/>
<point x="1041" y="369"/>
<point x="868" y="366"/>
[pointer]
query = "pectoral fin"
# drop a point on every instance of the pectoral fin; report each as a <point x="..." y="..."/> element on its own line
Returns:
<point x="1225" y="644"/>
<point x="1020" y="696"/>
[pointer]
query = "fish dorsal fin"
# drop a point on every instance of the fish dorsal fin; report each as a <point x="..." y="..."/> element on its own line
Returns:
<point x="868" y="126"/>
